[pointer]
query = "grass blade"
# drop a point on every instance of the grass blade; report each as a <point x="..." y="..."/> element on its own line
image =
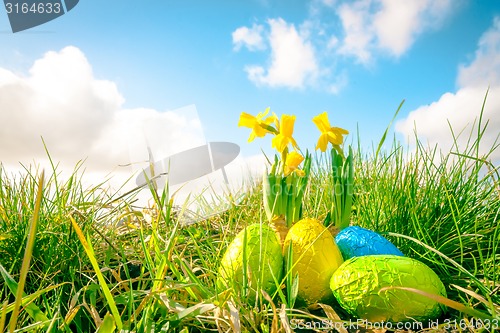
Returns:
<point x="3" y="316"/>
<point x="27" y="255"/>
<point x="453" y="262"/>
<point x="107" y="293"/>
<point x="108" y="325"/>
<point x="34" y="311"/>
<point x="445" y="301"/>
<point x="384" y="136"/>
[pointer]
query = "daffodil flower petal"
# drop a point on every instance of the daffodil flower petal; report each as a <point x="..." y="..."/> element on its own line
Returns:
<point x="339" y="130"/>
<point x="294" y="143"/>
<point x="322" y="142"/>
<point x="280" y="142"/>
<point x="260" y="127"/>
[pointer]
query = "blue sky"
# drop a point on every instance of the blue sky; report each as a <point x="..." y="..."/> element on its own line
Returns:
<point x="357" y="60"/>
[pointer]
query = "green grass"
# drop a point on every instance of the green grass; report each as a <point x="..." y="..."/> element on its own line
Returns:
<point x="98" y="263"/>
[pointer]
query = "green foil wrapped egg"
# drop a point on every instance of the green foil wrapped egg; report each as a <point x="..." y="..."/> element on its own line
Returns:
<point x="253" y="261"/>
<point x="358" y="282"/>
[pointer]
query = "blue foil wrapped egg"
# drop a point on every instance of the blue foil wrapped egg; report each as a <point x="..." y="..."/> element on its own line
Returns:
<point x="355" y="241"/>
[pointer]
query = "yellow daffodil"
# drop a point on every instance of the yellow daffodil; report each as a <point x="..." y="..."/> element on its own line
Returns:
<point x="292" y="163"/>
<point x="284" y="137"/>
<point x="260" y="126"/>
<point x="334" y="135"/>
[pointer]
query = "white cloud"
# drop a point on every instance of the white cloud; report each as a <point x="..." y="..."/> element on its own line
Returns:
<point x="387" y="25"/>
<point x="461" y="110"/>
<point x="251" y="38"/>
<point x="293" y="61"/>
<point x="60" y="101"/>
<point x="332" y="43"/>
<point x="306" y="54"/>
<point x="339" y="83"/>
<point x="80" y="117"/>
<point x="399" y="22"/>
<point x="485" y="70"/>
<point x="358" y="37"/>
<point x="329" y="3"/>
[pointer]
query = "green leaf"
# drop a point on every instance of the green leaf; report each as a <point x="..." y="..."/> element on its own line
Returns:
<point x="292" y="282"/>
<point x="196" y="310"/>
<point x="33" y="311"/>
<point x="102" y="282"/>
<point x="382" y="140"/>
<point x="30" y="243"/>
<point x="108" y="325"/>
<point x="445" y="301"/>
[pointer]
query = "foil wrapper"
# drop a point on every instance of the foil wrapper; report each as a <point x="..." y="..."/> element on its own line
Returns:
<point x="362" y="286"/>
<point x="355" y="241"/>
<point x="315" y="257"/>
<point x="254" y="258"/>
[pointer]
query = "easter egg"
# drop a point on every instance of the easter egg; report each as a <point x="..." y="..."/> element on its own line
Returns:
<point x="252" y="262"/>
<point x="358" y="287"/>
<point x="315" y="257"/>
<point x="355" y="241"/>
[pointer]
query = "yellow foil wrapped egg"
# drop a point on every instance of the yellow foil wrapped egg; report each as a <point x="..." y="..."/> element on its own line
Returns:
<point x="315" y="257"/>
